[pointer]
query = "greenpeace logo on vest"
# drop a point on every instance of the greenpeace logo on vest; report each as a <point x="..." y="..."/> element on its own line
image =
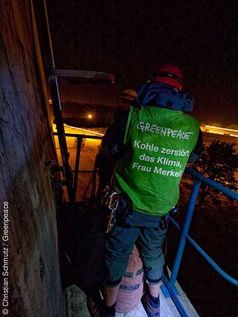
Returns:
<point x="153" y="128"/>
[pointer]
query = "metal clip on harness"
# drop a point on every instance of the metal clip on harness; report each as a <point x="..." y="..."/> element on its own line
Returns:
<point x="111" y="202"/>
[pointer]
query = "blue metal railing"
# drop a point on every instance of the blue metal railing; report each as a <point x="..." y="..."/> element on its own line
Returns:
<point x="170" y="282"/>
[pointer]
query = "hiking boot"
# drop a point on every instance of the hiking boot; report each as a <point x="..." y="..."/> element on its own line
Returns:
<point x="110" y="314"/>
<point x="151" y="305"/>
<point x="110" y="311"/>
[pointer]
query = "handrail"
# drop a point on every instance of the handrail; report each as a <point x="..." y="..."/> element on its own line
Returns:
<point x="219" y="187"/>
<point x="80" y="136"/>
<point x="200" y="250"/>
<point x="170" y="282"/>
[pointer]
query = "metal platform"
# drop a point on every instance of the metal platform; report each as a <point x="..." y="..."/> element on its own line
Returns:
<point x="77" y="307"/>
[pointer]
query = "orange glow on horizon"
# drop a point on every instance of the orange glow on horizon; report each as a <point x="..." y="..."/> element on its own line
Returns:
<point x="219" y="130"/>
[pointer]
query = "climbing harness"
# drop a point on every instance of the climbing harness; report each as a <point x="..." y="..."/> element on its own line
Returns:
<point x="117" y="208"/>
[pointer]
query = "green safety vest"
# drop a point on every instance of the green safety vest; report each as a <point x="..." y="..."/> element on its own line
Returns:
<point x="158" y="143"/>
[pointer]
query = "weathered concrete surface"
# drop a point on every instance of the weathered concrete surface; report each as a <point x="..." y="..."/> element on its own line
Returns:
<point x="25" y="145"/>
<point x="76" y="302"/>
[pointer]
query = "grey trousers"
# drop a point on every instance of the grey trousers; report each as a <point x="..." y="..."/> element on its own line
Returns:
<point x="148" y="232"/>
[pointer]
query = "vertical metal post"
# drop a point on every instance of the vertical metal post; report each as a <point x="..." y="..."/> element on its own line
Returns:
<point x="53" y="85"/>
<point x="61" y="135"/>
<point x="182" y="242"/>
<point x="76" y="170"/>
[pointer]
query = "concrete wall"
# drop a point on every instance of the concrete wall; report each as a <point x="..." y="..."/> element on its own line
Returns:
<point x="29" y="249"/>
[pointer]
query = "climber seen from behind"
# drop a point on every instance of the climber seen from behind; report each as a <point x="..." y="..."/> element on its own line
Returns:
<point x="151" y="145"/>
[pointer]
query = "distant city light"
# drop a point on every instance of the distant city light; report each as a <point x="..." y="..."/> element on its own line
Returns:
<point x="72" y="129"/>
<point x="89" y="116"/>
<point x="219" y="130"/>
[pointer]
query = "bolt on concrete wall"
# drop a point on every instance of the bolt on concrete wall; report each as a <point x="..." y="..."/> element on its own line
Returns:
<point x="29" y="255"/>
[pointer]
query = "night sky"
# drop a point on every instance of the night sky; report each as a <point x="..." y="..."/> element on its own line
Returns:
<point x="128" y="38"/>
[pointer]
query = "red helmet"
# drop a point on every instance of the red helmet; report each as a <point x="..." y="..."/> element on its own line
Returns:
<point x="168" y="74"/>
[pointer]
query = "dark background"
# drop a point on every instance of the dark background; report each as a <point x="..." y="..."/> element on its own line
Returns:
<point x="128" y="38"/>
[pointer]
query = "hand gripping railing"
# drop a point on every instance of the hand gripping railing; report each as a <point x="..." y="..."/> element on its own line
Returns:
<point x="170" y="282"/>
